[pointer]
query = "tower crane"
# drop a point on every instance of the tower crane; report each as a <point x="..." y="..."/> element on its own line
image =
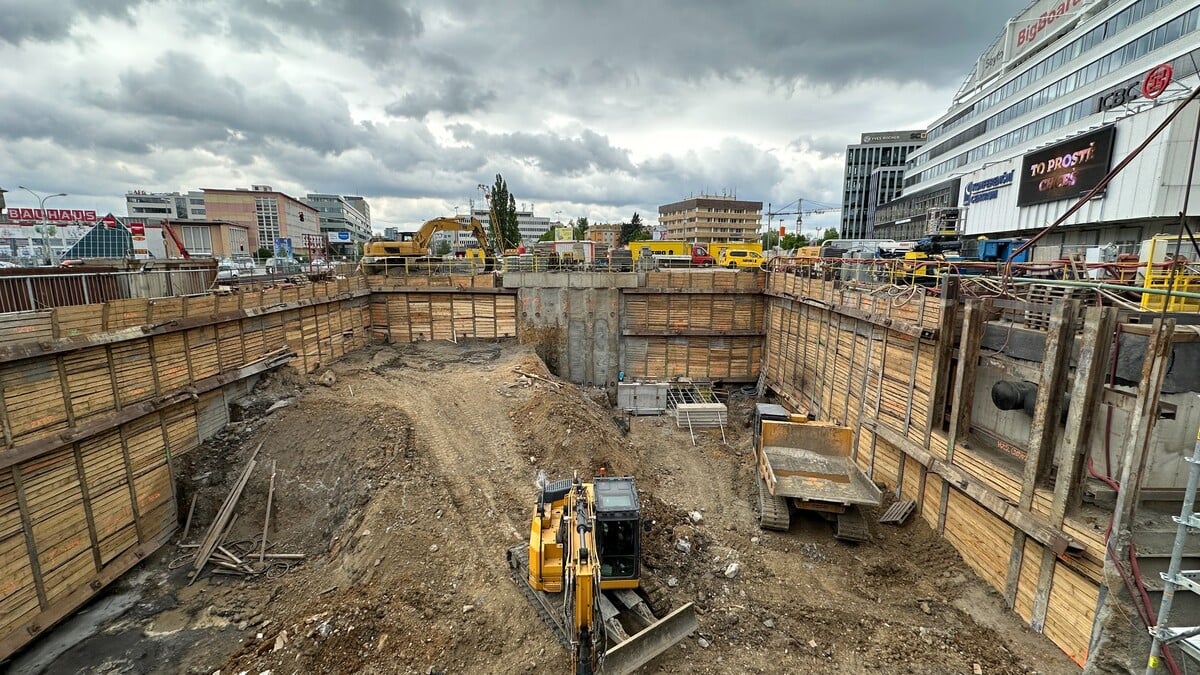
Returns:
<point x="799" y="211"/>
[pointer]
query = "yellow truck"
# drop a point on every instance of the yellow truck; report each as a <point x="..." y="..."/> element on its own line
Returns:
<point x="668" y="253"/>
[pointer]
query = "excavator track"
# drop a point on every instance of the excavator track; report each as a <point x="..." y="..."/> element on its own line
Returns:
<point x="655" y="595"/>
<point x="773" y="511"/>
<point x="851" y="526"/>
<point x="518" y="569"/>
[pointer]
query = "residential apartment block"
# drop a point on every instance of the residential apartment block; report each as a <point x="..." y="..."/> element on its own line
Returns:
<point x="711" y="218"/>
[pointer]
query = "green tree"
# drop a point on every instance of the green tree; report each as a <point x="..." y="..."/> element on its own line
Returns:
<point x="792" y="240"/>
<point x="548" y="235"/>
<point x="770" y="239"/>
<point x="830" y="233"/>
<point x="442" y="248"/>
<point x="579" y="228"/>
<point x="634" y="230"/>
<point x="503" y="213"/>
<point x="264" y="252"/>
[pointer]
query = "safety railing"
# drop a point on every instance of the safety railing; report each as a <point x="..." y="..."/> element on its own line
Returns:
<point x="27" y="292"/>
<point x="1128" y="284"/>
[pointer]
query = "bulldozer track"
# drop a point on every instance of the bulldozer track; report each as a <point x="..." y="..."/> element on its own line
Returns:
<point x="518" y="569"/>
<point x="772" y="510"/>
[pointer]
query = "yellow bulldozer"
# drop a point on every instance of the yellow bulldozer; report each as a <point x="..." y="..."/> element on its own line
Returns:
<point x="585" y="545"/>
<point x="411" y="254"/>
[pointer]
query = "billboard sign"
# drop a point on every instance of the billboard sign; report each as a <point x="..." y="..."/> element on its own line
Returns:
<point x="283" y="247"/>
<point x="991" y="61"/>
<point x="341" y="237"/>
<point x="1067" y="170"/>
<point x="1039" y="23"/>
<point x="51" y="215"/>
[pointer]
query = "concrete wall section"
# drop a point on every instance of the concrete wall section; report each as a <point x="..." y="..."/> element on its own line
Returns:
<point x="574" y="331"/>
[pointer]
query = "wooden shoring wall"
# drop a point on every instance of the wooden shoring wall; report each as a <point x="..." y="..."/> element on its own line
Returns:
<point x="886" y="366"/>
<point x="414" y="315"/>
<point x="705" y="325"/>
<point x="96" y="402"/>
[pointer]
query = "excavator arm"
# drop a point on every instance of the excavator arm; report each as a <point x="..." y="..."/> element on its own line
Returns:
<point x="424" y="236"/>
<point x="582" y="566"/>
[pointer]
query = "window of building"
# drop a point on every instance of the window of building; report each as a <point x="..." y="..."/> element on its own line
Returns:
<point x="266" y="210"/>
<point x="197" y="239"/>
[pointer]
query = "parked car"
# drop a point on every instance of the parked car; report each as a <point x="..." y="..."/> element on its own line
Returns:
<point x="282" y="266"/>
<point x="227" y="270"/>
<point x="741" y="259"/>
<point x="244" y="264"/>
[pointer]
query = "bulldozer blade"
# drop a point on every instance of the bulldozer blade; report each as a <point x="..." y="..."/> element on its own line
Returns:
<point x="657" y="638"/>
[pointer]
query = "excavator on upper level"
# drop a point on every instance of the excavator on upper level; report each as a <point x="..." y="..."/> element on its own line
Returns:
<point x="412" y="255"/>
<point x="584" y="543"/>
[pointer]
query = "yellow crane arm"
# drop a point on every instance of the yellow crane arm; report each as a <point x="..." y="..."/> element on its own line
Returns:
<point x="424" y="236"/>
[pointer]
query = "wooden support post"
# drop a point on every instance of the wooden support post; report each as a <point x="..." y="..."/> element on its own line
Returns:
<point x="850" y="372"/>
<point x="112" y="376"/>
<point x="964" y="383"/>
<point x="943" y="504"/>
<point x="133" y="500"/>
<point x="1043" y="429"/>
<point x="35" y="564"/>
<point x="1095" y="349"/>
<point x="1015" y="557"/>
<point x="919" y="497"/>
<point x="5" y="423"/>
<point x="1145" y="408"/>
<point x="940" y="384"/>
<point x="87" y="506"/>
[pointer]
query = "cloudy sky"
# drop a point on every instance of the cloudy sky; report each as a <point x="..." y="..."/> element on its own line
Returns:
<point x="587" y="108"/>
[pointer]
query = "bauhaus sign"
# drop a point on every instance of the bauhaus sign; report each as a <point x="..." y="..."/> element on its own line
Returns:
<point x="52" y="215"/>
<point x="1067" y="170"/>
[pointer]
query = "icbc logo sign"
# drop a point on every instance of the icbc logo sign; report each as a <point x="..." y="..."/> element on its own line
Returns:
<point x="1157" y="80"/>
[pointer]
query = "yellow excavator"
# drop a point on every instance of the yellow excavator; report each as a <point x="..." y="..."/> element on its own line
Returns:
<point x="411" y="254"/>
<point x="584" y="546"/>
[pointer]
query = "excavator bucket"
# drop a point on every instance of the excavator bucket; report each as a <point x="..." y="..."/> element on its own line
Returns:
<point x="655" y="639"/>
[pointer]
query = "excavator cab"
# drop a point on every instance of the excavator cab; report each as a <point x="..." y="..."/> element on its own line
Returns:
<point x="618" y="537"/>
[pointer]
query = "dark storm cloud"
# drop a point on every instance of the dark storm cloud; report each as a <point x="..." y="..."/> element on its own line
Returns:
<point x="181" y="87"/>
<point x="377" y="30"/>
<point x="552" y="153"/>
<point x="33" y="21"/>
<point x="815" y="41"/>
<point x="454" y="97"/>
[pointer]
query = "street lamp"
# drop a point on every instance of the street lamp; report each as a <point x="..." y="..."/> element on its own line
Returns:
<point x="43" y="228"/>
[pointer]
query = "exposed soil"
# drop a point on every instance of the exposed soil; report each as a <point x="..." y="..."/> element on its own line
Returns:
<point x="407" y="479"/>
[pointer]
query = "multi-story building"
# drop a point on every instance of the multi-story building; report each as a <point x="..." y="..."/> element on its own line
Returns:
<point x="711" y="218"/>
<point x="391" y="233"/>
<point x="153" y="206"/>
<point x="863" y="183"/>
<point x="1048" y="110"/>
<point x="532" y="228"/>
<point x="608" y="234"/>
<point x="342" y="214"/>
<point x="268" y="215"/>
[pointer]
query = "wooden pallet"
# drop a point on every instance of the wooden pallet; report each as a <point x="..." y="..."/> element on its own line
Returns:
<point x="898" y="512"/>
